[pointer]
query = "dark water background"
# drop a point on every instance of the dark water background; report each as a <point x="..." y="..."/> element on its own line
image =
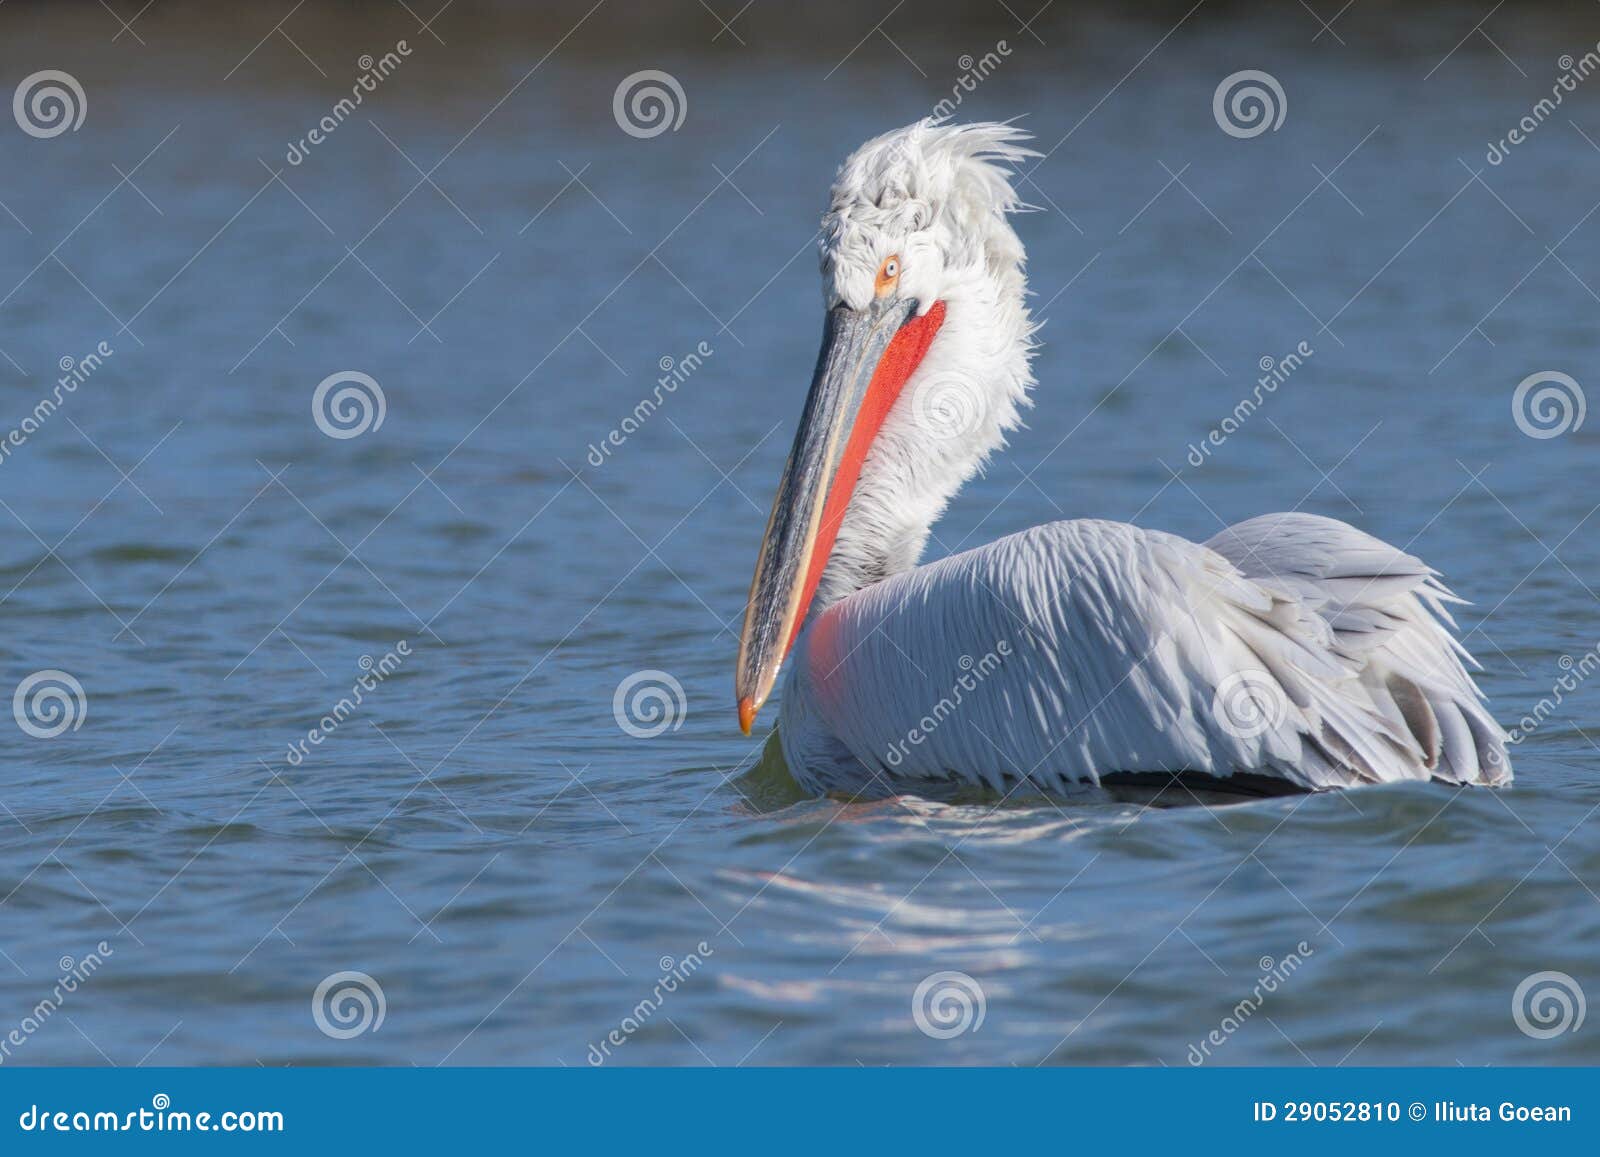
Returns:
<point x="481" y="837"/>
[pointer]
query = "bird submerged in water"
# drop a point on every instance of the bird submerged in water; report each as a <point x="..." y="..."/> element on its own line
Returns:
<point x="1289" y="653"/>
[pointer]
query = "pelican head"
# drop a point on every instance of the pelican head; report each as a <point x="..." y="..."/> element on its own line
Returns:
<point x="926" y="345"/>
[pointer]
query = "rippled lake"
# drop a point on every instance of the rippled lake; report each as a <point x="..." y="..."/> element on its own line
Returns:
<point x="515" y="872"/>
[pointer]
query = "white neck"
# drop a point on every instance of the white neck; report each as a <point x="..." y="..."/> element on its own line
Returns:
<point x="951" y="415"/>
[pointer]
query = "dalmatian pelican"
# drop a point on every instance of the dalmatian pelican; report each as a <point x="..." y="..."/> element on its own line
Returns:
<point x="1290" y="653"/>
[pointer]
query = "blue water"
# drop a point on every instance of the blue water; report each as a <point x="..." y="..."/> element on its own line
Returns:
<point x="510" y="867"/>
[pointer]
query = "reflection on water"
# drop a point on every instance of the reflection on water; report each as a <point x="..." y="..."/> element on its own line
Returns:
<point x="478" y="835"/>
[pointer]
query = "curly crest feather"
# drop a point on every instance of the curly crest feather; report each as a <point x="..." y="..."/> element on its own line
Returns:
<point x="951" y="182"/>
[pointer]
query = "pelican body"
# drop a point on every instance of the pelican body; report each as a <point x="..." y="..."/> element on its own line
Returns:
<point x="1291" y="652"/>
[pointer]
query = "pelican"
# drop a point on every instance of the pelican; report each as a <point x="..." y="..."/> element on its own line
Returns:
<point x="1289" y="653"/>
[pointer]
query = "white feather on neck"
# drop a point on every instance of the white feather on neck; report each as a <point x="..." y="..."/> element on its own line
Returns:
<point x="938" y="195"/>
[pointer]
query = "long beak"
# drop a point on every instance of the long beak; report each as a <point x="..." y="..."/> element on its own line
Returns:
<point x="850" y="395"/>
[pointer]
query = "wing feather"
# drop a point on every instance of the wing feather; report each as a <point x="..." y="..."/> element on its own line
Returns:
<point x="1389" y="611"/>
<point x="1290" y="647"/>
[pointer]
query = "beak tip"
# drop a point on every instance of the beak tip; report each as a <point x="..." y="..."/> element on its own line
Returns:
<point x="747" y="714"/>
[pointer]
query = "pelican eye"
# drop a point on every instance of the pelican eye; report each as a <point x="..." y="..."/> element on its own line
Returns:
<point x="888" y="274"/>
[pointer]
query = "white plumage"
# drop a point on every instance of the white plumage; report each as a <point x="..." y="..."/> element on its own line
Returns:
<point x="1290" y="651"/>
<point x="1077" y="650"/>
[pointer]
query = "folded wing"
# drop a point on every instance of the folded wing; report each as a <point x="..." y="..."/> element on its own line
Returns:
<point x="1290" y="646"/>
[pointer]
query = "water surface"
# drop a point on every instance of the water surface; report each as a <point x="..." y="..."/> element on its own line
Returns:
<point x="515" y="870"/>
